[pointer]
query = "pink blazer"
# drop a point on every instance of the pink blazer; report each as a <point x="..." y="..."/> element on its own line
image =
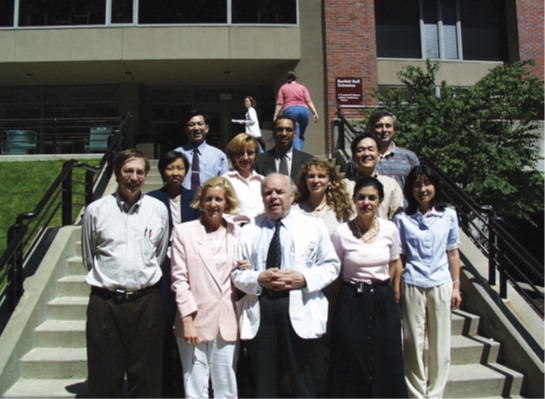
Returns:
<point x="198" y="285"/>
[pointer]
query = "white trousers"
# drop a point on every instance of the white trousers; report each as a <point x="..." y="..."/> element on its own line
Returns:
<point x="426" y="311"/>
<point x="216" y="360"/>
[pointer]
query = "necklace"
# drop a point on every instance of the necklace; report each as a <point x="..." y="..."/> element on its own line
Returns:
<point x="371" y="233"/>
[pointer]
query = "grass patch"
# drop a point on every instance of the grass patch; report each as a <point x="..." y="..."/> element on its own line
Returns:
<point x="24" y="185"/>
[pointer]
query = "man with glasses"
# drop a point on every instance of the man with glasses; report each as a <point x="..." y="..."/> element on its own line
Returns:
<point x="283" y="158"/>
<point x="124" y="240"/>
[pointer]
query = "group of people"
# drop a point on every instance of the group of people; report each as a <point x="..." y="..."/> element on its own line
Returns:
<point x="267" y="262"/>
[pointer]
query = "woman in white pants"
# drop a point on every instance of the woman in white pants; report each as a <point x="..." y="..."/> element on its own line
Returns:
<point x="430" y="238"/>
<point x="206" y="326"/>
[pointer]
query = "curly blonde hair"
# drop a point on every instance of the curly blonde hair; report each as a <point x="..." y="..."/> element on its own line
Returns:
<point x="232" y="205"/>
<point x="336" y="196"/>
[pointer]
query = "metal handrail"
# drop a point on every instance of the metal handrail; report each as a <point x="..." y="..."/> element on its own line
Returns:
<point x="25" y="234"/>
<point x="507" y="258"/>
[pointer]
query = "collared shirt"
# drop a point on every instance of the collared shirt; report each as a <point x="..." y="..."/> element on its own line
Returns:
<point x="366" y="262"/>
<point x="249" y="196"/>
<point x="397" y="164"/>
<point x="425" y="242"/>
<point x="123" y="246"/>
<point x="393" y="196"/>
<point x="278" y="157"/>
<point x="212" y="162"/>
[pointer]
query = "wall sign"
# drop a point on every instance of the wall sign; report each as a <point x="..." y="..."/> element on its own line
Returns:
<point x="348" y="91"/>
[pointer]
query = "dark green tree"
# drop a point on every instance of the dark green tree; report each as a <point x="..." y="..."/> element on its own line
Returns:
<point x="484" y="136"/>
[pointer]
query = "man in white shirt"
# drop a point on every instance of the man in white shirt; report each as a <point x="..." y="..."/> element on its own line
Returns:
<point x="283" y="158"/>
<point x="365" y="154"/>
<point x="124" y="240"/>
<point x="291" y="259"/>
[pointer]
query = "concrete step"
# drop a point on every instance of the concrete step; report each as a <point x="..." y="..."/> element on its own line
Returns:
<point x="61" y="333"/>
<point x="77" y="247"/>
<point x="73" y="286"/>
<point x="469" y="350"/>
<point x="479" y="380"/>
<point x="57" y="388"/>
<point x="68" y="308"/>
<point x="464" y="323"/>
<point x="75" y="266"/>
<point x="54" y="363"/>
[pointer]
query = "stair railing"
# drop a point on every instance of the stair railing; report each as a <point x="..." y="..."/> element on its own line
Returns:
<point x="30" y="227"/>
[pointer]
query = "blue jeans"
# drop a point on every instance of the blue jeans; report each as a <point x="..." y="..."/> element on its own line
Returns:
<point x="301" y="116"/>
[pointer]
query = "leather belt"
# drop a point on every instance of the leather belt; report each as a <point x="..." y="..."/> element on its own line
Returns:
<point x="120" y="294"/>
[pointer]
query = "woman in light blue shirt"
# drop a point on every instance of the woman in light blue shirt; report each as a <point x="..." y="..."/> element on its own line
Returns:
<point x="430" y="239"/>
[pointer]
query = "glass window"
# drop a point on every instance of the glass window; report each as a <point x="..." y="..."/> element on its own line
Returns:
<point x="484" y="35"/>
<point x="6" y="12"/>
<point x="450" y="37"/>
<point x="431" y="31"/>
<point x="480" y="27"/>
<point x="398" y="28"/>
<point x="122" y="11"/>
<point x="182" y="12"/>
<point x="67" y="12"/>
<point x="264" y="12"/>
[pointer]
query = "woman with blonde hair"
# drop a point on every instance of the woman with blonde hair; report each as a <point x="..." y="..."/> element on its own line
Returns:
<point x="206" y="322"/>
<point x="321" y="193"/>
<point x="242" y="151"/>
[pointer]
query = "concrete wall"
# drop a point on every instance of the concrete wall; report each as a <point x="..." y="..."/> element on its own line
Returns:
<point x="455" y="73"/>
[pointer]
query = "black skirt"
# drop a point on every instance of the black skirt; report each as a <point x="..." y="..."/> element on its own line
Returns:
<point x="366" y="352"/>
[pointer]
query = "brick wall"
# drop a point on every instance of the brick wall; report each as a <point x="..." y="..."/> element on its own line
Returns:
<point x="350" y="49"/>
<point x="530" y="23"/>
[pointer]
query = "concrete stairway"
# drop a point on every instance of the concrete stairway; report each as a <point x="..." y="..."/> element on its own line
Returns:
<point x="474" y="372"/>
<point x="57" y="365"/>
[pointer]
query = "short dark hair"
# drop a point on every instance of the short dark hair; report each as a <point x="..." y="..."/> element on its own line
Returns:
<point x="364" y="135"/>
<point x="125" y="155"/>
<point x="377" y="115"/>
<point x="170" y="157"/>
<point x="192" y="114"/>
<point x="369" y="181"/>
<point x="284" y="116"/>
<point x="414" y="174"/>
<point x="292" y="76"/>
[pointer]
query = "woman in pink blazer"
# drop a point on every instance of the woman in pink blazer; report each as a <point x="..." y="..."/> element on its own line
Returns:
<point x="206" y="325"/>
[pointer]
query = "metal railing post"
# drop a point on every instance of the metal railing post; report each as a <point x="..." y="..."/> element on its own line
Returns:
<point x="67" y="197"/>
<point x="15" y="270"/>
<point x="492" y="238"/>
<point x="89" y="187"/>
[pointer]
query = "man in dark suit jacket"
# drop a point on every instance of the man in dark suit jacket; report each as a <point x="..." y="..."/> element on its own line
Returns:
<point x="283" y="158"/>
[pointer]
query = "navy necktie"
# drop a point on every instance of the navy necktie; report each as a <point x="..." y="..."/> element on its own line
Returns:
<point x="274" y="256"/>
<point x="195" y="171"/>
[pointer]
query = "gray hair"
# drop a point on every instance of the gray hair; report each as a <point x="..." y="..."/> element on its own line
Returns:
<point x="291" y="183"/>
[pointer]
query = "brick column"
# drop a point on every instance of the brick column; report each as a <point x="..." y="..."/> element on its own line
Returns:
<point x="350" y="49"/>
<point x="530" y="23"/>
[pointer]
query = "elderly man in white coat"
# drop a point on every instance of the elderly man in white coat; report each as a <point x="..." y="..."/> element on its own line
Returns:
<point x="291" y="259"/>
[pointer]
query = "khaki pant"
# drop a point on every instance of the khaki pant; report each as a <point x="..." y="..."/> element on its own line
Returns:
<point x="426" y="312"/>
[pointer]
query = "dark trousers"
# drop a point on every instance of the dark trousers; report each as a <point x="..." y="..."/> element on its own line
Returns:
<point x="124" y="338"/>
<point x="274" y="338"/>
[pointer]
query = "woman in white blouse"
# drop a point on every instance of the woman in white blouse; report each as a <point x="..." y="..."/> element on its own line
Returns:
<point x="242" y="151"/>
<point x="366" y="355"/>
<point x="321" y="193"/>
<point x="251" y="122"/>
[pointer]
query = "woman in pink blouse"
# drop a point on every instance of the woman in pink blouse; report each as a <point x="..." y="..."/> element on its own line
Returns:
<point x="366" y="355"/>
<point x="295" y="99"/>
<point x="206" y="325"/>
